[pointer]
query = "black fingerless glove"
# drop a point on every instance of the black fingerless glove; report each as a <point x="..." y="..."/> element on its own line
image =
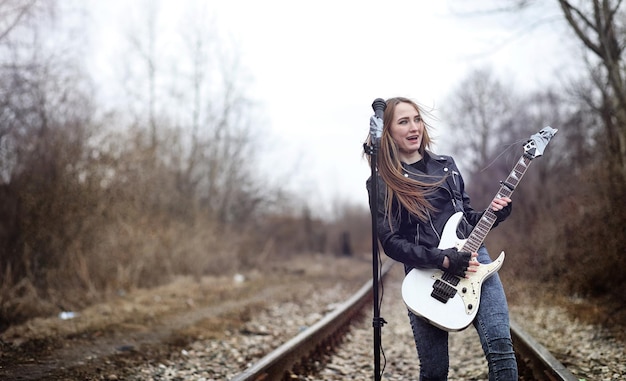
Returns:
<point x="459" y="261"/>
<point x="503" y="213"/>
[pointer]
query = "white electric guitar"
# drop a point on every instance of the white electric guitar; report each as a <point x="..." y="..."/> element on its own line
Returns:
<point x="451" y="302"/>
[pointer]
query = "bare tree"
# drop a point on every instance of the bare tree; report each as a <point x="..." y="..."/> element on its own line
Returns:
<point x="14" y="13"/>
<point x="45" y="116"/>
<point x="480" y="115"/>
<point x="599" y="25"/>
<point x="143" y="67"/>
<point x="223" y="139"/>
<point x="485" y="120"/>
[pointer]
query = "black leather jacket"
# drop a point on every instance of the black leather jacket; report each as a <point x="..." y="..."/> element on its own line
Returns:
<point x="414" y="242"/>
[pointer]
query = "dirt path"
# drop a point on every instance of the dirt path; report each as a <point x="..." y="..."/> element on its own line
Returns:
<point x="146" y="325"/>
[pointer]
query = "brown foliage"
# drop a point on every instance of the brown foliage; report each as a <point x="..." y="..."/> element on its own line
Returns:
<point x="566" y="231"/>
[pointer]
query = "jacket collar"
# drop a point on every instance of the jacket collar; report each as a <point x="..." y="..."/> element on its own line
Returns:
<point x="430" y="156"/>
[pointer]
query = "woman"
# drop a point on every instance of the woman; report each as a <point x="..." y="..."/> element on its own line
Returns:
<point x="414" y="202"/>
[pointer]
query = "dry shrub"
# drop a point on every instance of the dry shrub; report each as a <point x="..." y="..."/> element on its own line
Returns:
<point x="150" y="253"/>
<point x="20" y="301"/>
<point x="126" y="257"/>
<point x="592" y="264"/>
<point x="574" y="245"/>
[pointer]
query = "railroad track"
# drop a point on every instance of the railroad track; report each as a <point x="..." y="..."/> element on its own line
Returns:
<point x="286" y="362"/>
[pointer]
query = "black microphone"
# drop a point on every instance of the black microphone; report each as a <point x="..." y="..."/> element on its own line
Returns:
<point x="379" y="107"/>
<point x="376" y="121"/>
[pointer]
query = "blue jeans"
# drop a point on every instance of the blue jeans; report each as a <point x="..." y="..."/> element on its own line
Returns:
<point x="492" y="325"/>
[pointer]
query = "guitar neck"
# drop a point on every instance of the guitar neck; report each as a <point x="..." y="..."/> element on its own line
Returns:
<point x="478" y="235"/>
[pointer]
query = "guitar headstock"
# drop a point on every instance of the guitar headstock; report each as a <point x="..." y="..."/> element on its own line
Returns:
<point x="538" y="142"/>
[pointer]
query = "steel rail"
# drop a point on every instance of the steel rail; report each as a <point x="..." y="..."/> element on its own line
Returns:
<point x="543" y="365"/>
<point x="280" y="361"/>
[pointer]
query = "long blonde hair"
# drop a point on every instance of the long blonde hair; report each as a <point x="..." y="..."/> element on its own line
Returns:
<point x="410" y="193"/>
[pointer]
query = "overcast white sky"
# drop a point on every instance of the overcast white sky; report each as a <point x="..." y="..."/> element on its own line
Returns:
<point x="316" y="67"/>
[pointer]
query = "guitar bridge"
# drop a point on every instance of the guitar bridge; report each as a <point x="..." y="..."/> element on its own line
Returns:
<point x="443" y="289"/>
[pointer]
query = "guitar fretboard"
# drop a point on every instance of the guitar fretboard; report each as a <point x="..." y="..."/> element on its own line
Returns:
<point x="486" y="222"/>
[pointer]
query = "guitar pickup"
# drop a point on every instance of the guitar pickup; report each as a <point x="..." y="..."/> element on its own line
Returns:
<point x="442" y="291"/>
<point x="452" y="279"/>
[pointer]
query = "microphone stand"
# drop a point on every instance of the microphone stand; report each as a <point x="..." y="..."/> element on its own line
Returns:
<point x="372" y="151"/>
